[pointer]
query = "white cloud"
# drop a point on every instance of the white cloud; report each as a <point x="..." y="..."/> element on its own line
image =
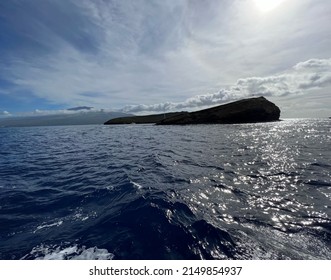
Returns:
<point x="38" y="112"/>
<point x="169" y="53"/>
<point x="4" y="113"/>
<point x="304" y="76"/>
<point x="315" y="64"/>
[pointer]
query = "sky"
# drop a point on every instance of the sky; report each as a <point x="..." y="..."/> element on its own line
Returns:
<point x="149" y="56"/>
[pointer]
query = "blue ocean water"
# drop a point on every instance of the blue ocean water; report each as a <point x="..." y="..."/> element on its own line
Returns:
<point x="252" y="191"/>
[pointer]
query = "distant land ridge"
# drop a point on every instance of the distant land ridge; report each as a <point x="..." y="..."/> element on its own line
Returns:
<point x="77" y="117"/>
<point x="144" y="119"/>
<point x="250" y="110"/>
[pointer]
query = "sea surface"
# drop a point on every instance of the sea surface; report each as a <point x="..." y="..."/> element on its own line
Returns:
<point x="250" y="191"/>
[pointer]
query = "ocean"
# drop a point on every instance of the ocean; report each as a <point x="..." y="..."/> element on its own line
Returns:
<point x="245" y="191"/>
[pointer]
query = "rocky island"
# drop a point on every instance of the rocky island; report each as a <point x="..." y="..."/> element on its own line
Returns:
<point x="250" y="110"/>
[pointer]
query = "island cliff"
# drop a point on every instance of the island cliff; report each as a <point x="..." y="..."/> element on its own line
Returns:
<point x="250" y="110"/>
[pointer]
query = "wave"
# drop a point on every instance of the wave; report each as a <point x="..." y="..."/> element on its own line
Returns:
<point x="148" y="192"/>
<point x="67" y="252"/>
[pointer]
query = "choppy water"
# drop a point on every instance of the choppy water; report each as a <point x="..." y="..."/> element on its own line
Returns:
<point x="252" y="191"/>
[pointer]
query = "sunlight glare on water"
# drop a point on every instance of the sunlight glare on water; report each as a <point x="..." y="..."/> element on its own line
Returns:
<point x="253" y="191"/>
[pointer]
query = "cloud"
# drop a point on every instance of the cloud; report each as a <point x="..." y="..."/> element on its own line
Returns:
<point x="175" y="54"/>
<point x="315" y="64"/>
<point x="304" y="76"/>
<point x="317" y="73"/>
<point x="71" y="111"/>
<point x="131" y="54"/>
<point x="4" y="114"/>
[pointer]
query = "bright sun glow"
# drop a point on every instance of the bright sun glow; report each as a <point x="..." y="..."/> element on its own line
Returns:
<point x="267" y="5"/>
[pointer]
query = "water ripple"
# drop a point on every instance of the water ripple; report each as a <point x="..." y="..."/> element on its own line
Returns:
<point x="253" y="191"/>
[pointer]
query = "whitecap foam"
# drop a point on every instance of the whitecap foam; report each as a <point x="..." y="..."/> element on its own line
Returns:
<point x="81" y="215"/>
<point x="73" y="252"/>
<point x="139" y="187"/>
<point x="43" y="226"/>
